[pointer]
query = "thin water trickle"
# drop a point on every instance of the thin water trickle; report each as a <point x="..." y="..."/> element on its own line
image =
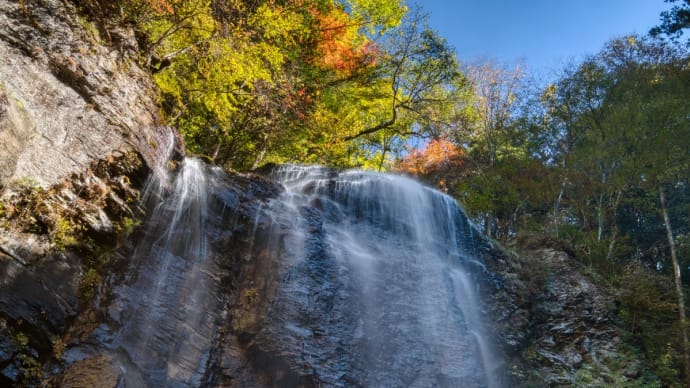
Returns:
<point x="166" y="311"/>
<point x="169" y="321"/>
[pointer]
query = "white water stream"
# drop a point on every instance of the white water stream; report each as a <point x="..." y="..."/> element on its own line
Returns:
<point x="404" y="254"/>
<point x="376" y="283"/>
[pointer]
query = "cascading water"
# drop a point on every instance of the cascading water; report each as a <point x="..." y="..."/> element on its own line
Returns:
<point x="164" y="316"/>
<point x="345" y="279"/>
<point x="170" y="312"/>
<point x="375" y="288"/>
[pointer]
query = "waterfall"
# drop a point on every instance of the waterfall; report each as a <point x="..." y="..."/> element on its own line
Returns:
<point x="164" y="315"/>
<point x="341" y="279"/>
<point x="169" y="316"/>
<point x="377" y="285"/>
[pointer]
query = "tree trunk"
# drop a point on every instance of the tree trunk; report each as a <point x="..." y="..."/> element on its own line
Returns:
<point x="488" y="224"/>
<point x="614" y="232"/>
<point x="259" y="158"/>
<point x="383" y="158"/>
<point x="679" y="286"/>
<point x="384" y="145"/>
<point x="557" y="206"/>
<point x="262" y="153"/>
<point x="216" y="151"/>
<point x="600" y="217"/>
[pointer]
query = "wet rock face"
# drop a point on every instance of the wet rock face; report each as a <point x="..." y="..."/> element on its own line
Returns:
<point x="349" y="284"/>
<point x="52" y="243"/>
<point x="163" y="318"/>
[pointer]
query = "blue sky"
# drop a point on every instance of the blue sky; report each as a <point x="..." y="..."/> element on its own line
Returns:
<point x="544" y="33"/>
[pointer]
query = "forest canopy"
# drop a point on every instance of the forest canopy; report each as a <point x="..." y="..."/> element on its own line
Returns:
<point x="337" y="82"/>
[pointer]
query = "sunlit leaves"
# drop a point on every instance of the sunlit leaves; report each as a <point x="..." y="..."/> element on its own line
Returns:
<point x="438" y="154"/>
<point x="244" y="81"/>
<point x="341" y="82"/>
<point x="340" y="46"/>
<point x="376" y="15"/>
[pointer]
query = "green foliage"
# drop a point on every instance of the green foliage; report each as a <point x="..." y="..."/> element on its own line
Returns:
<point x="648" y="310"/>
<point x="31" y="371"/>
<point x="21" y="340"/>
<point x="64" y="234"/>
<point x="674" y="21"/>
<point x="88" y="285"/>
<point x="379" y="15"/>
<point x="342" y="83"/>
<point x="26" y="184"/>
<point x="30" y="208"/>
<point x="21" y="205"/>
<point x="125" y="227"/>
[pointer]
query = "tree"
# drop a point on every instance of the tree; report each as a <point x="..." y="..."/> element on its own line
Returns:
<point x="440" y="162"/>
<point x="418" y="66"/>
<point x="674" y="21"/>
<point x="623" y="114"/>
<point x="408" y="91"/>
<point x="487" y="127"/>
<point x="664" y="157"/>
<point x="497" y="98"/>
<point x="241" y="78"/>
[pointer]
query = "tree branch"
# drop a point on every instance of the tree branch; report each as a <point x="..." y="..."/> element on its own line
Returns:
<point x="376" y="128"/>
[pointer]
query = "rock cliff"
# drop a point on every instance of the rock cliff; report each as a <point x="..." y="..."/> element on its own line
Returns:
<point x="556" y="324"/>
<point x="65" y="98"/>
<point x="78" y="132"/>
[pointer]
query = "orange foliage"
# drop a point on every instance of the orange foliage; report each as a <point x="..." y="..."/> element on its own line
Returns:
<point x="297" y="101"/>
<point x="340" y="46"/>
<point x="439" y="159"/>
<point x="165" y="7"/>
